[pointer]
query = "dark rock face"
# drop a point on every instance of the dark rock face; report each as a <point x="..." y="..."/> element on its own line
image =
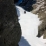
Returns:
<point x="27" y="4"/>
<point x="10" y="31"/>
<point x="15" y="1"/>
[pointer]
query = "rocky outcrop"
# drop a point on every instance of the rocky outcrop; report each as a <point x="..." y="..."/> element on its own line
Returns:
<point x="10" y="30"/>
<point x="40" y="9"/>
<point x="38" y="5"/>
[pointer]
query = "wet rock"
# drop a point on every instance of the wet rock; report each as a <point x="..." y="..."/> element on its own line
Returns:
<point x="10" y="30"/>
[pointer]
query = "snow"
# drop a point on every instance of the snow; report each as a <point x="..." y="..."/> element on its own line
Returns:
<point x="29" y="25"/>
<point x="43" y="40"/>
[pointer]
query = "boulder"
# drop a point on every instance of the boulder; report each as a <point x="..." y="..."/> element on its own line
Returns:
<point x="10" y="30"/>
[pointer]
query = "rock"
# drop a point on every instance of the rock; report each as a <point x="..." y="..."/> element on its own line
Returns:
<point x="26" y="4"/>
<point x="10" y="30"/>
<point x="24" y="12"/>
<point x="40" y="5"/>
<point x="15" y="1"/>
<point x="42" y="29"/>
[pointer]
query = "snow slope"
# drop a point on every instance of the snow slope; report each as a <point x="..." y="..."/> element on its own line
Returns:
<point x="29" y="25"/>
